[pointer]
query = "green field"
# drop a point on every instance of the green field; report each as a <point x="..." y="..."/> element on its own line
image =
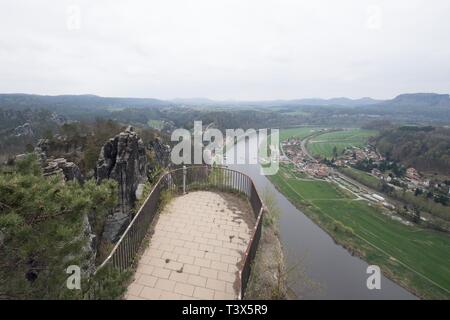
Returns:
<point x="417" y="258"/>
<point x="361" y="176"/>
<point x="298" y="132"/>
<point x="322" y="145"/>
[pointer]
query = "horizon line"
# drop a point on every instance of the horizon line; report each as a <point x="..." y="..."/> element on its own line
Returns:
<point x="217" y="100"/>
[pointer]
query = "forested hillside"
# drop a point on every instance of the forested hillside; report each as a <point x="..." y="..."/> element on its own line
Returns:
<point x="21" y="129"/>
<point x="424" y="148"/>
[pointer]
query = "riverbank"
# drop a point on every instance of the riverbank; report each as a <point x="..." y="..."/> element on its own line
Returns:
<point x="436" y="216"/>
<point x="412" y="257"/>
<point x="268" y="280"/>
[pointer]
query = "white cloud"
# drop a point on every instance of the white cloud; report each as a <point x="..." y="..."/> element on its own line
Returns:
<point x="259" y="49"/>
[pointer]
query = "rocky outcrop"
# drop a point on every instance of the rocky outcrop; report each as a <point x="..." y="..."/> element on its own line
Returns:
<point x="88" y="253"/>
<point x="89" y="250"/>
<point x="41" y="151"/>
<point x="162" y="152"/>
<point x="62" y="147"/>
<point x="122" y="158"/>
<point x="59" y="119"/>
<point x="69" y="170"/>
<point x="21" y="128"/>
<point x="24" y="130"/>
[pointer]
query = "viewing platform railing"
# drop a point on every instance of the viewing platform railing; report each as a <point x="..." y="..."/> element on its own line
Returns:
<point x="183" y="180"/>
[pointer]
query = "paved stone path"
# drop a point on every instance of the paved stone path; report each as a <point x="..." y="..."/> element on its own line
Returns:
<point x="196" y="249"/>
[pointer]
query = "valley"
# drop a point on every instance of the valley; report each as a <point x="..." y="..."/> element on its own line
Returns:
<point x="334" y="175"/>
<point x="358" y="220"/>
<point x="225" y="150"/>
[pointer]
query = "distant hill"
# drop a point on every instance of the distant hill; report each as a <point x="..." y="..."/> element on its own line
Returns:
<point x="423" y="100"/>
<point x="409" y="100"/>
<point x="414" y="106"/>
<point x="333" y="102"/>
<point x="406" y="108"/>
<point x="194" y="101"/>
<point x="27" y="101"/>
<point x="56" y="103"/>
<point x="337" y="102"/>
<point x="79" y="107"/>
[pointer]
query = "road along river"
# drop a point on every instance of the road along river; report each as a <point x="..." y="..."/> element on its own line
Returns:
<point x="334" y="272"/>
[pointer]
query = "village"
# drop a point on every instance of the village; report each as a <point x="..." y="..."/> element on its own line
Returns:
<point x="294" y="152"/>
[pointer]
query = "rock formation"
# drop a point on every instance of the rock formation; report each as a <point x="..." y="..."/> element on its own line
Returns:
<point x="67" y="170"/>
<point x="24" y="130"/>
<point x="89" y="250"/>
<point x="41" y="151"/>
<point x="62" y="147"/>
<point x="123" y="159"/>
<point x="61" y="166"/>
<point x="162" y="152"/>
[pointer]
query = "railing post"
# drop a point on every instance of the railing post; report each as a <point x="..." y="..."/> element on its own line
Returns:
<point x="184" y="179"/>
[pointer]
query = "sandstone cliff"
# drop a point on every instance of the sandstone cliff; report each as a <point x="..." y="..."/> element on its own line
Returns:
<point x="123" y="159"/>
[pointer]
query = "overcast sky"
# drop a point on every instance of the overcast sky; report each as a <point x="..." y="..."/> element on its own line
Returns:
<point x="229" y="49"/>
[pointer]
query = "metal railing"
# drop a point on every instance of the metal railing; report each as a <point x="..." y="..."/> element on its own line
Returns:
<point x="185" y="179"/>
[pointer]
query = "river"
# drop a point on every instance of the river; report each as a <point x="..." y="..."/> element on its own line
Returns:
<point x="335" y="273"/>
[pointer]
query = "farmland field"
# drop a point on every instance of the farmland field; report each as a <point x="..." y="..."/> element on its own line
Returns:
<point x="322" y="145"/>
<point x="361" y="176"/>
<point x="299" y="132"/>
<point x="416" y="258"/>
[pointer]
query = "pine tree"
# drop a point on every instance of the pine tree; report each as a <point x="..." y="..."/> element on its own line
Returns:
<point x="42" y="230"/>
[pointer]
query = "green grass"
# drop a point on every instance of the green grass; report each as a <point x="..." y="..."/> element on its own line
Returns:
<point x="323" y="144"/>
<point x="299" y="132"/>
<point x="417" y="258"/>
<point x="427" y="205"/>
<point x="361" y="176"/>
<point x="313" y="190"/>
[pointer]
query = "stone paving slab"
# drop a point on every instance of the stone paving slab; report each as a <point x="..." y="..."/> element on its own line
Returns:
<point x="196" y="249"/>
